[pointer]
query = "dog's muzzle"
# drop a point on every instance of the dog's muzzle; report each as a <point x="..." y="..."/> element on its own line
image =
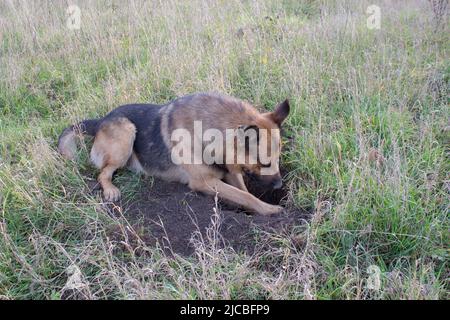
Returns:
<point x="273" y="181"/>
<point x="277" y="183"/>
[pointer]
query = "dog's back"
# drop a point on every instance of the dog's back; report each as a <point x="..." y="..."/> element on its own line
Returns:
<point x="214" y="110"/>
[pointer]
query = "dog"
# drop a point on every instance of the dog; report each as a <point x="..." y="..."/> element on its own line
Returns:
<point x="140" y="137"/>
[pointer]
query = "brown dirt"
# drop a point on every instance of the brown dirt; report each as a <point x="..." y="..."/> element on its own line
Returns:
<point x="171" y="212"/>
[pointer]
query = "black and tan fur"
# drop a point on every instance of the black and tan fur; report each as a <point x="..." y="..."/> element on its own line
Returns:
<point x="137" y="136"/>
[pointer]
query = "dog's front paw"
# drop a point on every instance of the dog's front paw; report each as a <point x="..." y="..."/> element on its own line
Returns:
<point x="271" y="209"/>
<point x="111" y="194"/>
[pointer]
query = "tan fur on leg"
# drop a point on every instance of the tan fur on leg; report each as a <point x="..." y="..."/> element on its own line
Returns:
<point x="236" y="180"/>
<point x="110" y="191"/>
<point x="234" y="195"/>
<point x="112" y="149"/>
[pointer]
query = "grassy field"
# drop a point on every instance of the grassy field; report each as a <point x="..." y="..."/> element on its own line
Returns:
<point x="368" y="156"/>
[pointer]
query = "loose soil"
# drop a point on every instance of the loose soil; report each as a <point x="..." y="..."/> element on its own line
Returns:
<point x="170" y="213"/>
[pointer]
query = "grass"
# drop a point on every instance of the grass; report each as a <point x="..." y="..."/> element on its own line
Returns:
<point x="368" y="155"/>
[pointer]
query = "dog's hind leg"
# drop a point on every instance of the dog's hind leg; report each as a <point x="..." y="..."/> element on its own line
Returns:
<point x="113" y="146"/>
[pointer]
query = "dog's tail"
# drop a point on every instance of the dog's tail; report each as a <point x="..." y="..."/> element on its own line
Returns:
<point x="67" y="142"/>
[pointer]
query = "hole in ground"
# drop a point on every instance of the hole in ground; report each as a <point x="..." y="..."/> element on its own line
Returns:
<point x="169" y="213"/>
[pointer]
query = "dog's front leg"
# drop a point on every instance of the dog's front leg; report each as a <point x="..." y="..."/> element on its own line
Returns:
<point x="236" y="180"/>
<point x="234" y="195"/>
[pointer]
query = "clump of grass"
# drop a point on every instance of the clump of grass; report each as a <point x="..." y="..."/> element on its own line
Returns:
<point x="368" y="145"/>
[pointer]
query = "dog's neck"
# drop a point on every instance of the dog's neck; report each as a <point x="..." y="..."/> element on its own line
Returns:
<point x="221" y="167"/>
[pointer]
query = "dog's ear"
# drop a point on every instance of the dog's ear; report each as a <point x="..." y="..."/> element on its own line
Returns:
<point x="281" y="112"/>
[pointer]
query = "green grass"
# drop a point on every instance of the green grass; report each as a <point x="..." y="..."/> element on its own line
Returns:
<point x="354" y="93"/>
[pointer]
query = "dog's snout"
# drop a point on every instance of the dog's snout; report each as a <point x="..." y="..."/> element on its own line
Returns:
<point x="277" y="183"/>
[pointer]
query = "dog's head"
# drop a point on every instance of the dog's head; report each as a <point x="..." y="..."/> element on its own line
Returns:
<point x="262" y="142"/>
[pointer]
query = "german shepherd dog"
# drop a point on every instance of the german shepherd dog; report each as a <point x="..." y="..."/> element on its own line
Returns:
<point x="138" y="136"/>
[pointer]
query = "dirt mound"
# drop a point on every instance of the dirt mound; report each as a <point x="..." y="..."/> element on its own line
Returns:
<point x="171" y="212"/>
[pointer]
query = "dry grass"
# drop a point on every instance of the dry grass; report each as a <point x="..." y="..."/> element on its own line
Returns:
<point x="369" y="152"/>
